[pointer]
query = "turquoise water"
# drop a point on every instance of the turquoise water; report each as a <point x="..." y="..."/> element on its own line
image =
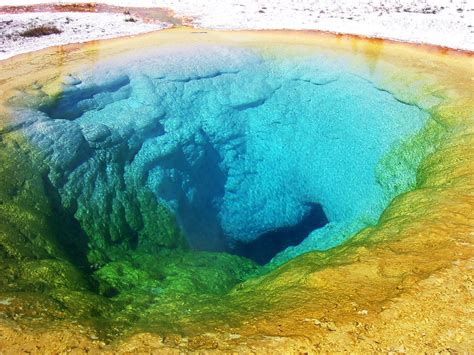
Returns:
<point x="234" y="144"/>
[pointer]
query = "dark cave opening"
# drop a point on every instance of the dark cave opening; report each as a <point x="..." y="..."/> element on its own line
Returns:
<point x="267" y="245"/>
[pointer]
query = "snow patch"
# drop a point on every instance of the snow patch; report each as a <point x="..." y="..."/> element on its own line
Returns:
<point x="76" y="27"/>
<point x="447" y="23"/>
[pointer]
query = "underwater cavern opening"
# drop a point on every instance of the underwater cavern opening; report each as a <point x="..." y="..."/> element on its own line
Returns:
<point x="267" y="245"/>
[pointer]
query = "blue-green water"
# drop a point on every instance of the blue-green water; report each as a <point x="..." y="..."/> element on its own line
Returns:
<point x="231" y="144"/>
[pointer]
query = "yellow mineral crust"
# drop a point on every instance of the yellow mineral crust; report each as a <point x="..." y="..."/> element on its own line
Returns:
<point x="404" y="285"/>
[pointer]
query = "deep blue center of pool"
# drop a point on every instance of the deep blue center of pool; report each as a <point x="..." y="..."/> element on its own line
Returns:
<point x="250" y="153"/>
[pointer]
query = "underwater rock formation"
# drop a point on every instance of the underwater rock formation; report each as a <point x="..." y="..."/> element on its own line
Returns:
<point x="231" y="144"/>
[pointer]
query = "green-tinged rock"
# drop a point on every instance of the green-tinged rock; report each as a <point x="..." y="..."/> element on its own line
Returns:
<point x="397" y="171"/>
<point x="82" y="304"/>
<point x="121" y="276"/>
<point x="26" y="230"/>
<point x="50" y="274"/>
<point x="160" y="227"/>
<point x="10" y="271"/>
<point x="166" y="288"/>
<point x="174" y="272"/>
<point x="201" y="272"/>
<point x="33" y="225"/>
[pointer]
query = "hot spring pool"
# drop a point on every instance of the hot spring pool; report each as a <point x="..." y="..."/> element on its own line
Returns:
<point x="232" y="144"/>
<point x="153" y="181"/>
